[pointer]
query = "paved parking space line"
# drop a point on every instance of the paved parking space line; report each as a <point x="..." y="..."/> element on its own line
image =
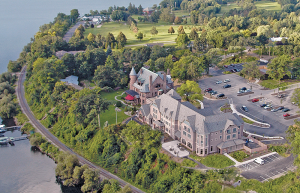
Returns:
<point x="264" y="179"/>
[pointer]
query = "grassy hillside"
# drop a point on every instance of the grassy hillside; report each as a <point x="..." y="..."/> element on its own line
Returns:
<point x="268" y="5"/>
<point x="162" y="27"/>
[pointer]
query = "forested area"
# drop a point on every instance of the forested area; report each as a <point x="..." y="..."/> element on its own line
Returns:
<point x="132" y="151"/>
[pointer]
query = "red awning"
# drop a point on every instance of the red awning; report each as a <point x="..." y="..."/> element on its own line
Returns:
<point x="129" y="98"/>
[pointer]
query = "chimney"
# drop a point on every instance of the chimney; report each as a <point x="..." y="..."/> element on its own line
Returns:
<point x="141" y="71"/>
<point x="165" y="78"/>
<point x="150" y="83"/>
<point x="168" y="71"/>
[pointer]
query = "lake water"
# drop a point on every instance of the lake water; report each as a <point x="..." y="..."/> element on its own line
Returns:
<point x="23" y="169"/>
<point x="21" y="19"/>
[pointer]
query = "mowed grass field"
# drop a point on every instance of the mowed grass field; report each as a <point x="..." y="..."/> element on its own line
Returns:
<point x="267" y="5"/>
<point x="162" y="27"/>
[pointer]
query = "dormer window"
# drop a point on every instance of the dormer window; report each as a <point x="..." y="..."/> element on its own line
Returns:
<point x="157" y="86"/>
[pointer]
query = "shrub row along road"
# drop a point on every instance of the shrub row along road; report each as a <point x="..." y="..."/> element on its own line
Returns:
<point x="26" y="110"/>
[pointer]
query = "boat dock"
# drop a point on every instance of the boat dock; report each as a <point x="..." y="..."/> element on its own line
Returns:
<point x="11" y="140"/>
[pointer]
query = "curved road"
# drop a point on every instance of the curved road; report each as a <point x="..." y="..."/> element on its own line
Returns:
<point x="26" y="110"/>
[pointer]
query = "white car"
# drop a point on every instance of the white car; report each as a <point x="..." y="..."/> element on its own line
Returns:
<point x="248" y="90"/>
<point x="219" y="82"/>
<point x="226" y="80"/>
<point x="240" y="92"/>
<point x="268" y="107"/>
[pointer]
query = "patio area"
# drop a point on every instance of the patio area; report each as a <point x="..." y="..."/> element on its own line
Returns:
<point x="176" y="149"/>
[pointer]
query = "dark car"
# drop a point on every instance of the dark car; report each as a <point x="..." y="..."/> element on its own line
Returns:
<point x="280" y="108"/>
<point x="232" y="71"/>
<point x="227" y="86"/>
<point x="244" y="88"/>
<point x="285" y="110"/>
<point x="244" y="108"/>
<point x="263" y="105"/>
<point x="214" y="92"/>
<point x="208" y="89"/>
<point x="220" y="95"/>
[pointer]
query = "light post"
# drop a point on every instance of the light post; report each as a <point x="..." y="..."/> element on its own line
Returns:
<point x="117" y="110"/>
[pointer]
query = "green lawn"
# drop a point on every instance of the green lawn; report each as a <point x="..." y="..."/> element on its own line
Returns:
<point x="217" y="161"/>
<point x="272" y="84"/>
<point x="162" y="27"/>
<point x="110" y="114"/>
<point x="268" y="5"/>
<point x="180" y="13"/>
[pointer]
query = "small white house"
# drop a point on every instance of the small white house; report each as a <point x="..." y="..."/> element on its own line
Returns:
<point x="277" y="39"/>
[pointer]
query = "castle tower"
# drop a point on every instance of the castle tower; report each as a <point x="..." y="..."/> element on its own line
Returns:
<point x="133" y="78"/>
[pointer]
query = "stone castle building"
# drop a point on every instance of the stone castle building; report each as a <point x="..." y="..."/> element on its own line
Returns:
<point x="147" y="84"/>
<point x="194" y="128"/>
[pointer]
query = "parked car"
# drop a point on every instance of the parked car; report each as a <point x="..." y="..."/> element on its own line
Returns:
<point x="220" y="95"/>
<point x="218" y="82"/>
<point x="227" y="86"/>
<point x="244" y="88"/>
<point x="231" y="64"/>
<point x="255" y="100"/>
<point x="285" y="110"/>
<point x="280" y="108"/>
<point x="240" y="92"/>
<point x="286" y="115"/>
<point x="248" y="90"/>
<point x="295" y="103"/>
<point x="280" y="95"/>
<point x="244" y="108"/>
<point x="259" y="161"/>
<point x="263" y="105"/>
<point x="226" y="80"/>
<point x="208" y="89"/>
<point x="214" y="92"/>
<point x="225" y="66"/>
<point x="268" y="107"/>
<point x="274" y="110"/>
<point x="238" y="70"/>
<point x="233" y="71"/>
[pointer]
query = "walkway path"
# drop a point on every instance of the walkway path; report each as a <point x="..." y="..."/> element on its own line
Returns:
<point x="121" y="100"/>
<point x="45" y="132"/>
<point x="71" y="31"/>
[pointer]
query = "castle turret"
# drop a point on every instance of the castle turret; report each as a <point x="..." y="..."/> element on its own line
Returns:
<point x="133" y="78"/>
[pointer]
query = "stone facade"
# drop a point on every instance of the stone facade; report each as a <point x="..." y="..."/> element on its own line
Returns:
<point x="202" y="133"/>
<point x="148" y="84"/>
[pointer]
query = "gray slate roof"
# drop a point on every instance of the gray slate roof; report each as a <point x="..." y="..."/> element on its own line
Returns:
<point x="200" y="123"/>
<point x="144" y="77"/>
<point x="231" y="143"/>
<point x="132" y="72"/>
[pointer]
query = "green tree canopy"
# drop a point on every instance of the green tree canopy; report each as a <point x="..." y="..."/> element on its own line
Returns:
<point x="121" y="39"/>
<point x="279" y="67"/>
<point x="154" y="31"/>
<point x="251" y="69"/>
<point x="190" y="91"/>
<point x="140" y="36"/>
<point x="107" y="76"/>
<point x="182" y="40"/>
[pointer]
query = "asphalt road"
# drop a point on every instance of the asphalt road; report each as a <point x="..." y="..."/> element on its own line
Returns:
<point x="26" y="110"/>
<point x="278" y="124"/>
<point x="71" y="31"/>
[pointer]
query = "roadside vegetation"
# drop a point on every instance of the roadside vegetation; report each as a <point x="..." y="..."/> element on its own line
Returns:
<point x="132" y="151"/>
<point x="283" y="150"/>
<point x="239" y="155"/>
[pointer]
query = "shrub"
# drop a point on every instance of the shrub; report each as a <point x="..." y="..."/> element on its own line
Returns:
<point x="226" y="72"/>
<point x="118" y="104"/>
<point x="188" y="163"/>
<point x="239" y="155"/>
<point x="280" y="149"/>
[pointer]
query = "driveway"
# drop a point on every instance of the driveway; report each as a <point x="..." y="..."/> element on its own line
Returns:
<point x="71" y="31"/>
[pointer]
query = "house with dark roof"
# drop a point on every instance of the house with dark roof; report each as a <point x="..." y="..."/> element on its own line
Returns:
<point x="147" y="84"/>
<point x="195" y="128"/>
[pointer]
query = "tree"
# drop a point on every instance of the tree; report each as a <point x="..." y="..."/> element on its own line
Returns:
<point x="88" y="107"/>
<point x="140" y="10"/>
<point x="296" y="67"/>
<point x="193" y="34"/>
<point x="110" y="39"/>
<point x="91" y="37"/>
<point x="111" y="62"/>
<point x="279" y="67"/>
<point x="140" y="36"/>
<point x="74" y="15"/>
<point x="178" y="20"/>
<point x="133" y="27"/>
<point x="251" y="69"/>
<point x="182" y="40"/>
<point x="171" y="30"/>
<point x="69" y="62"/>
<point x="190" y="91"/>
<point x="153" y="31"/>
<point x="91" y="180"/>
<point x="121" y="39"/>
<point x="107" y="76"/>
<point x="180" y="30"/>
<point x="108" y="50"/>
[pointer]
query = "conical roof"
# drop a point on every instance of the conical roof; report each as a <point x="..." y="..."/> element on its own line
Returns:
<point x="132" y="72"/>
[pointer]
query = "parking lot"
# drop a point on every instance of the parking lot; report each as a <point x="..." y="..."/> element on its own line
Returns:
<point x="253" y="164"/>
<point x="278" y="124"/>
<point x="274" y="167"/>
